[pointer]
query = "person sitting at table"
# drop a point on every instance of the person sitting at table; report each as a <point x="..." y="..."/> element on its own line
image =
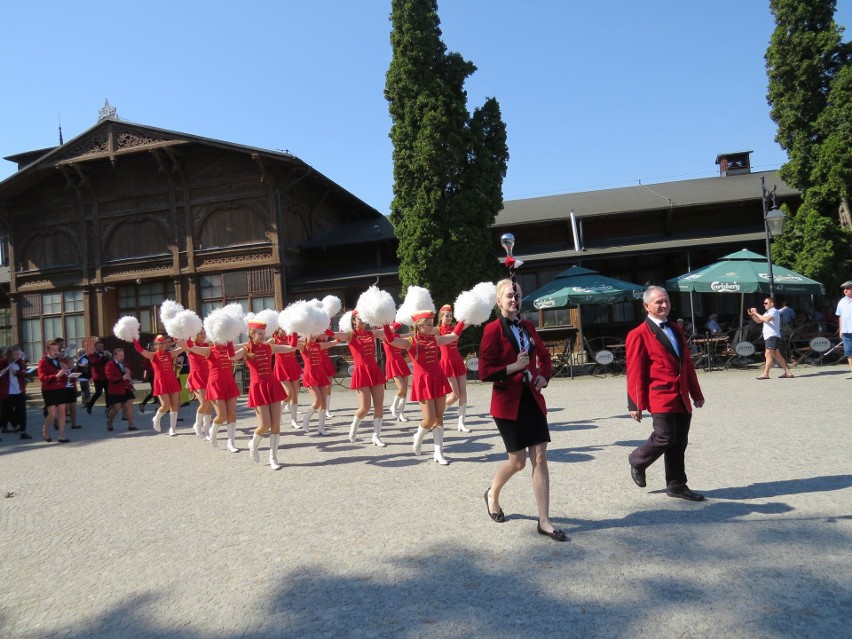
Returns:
<point x="712" y="326"/>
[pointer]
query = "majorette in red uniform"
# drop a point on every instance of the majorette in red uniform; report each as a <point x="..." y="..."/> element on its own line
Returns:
<point x="396" y="368"/>
<point x="328" y="367"/>
<point x="429" y="386"/>
<point x="453" y="366"/>
<point x="166" y="386"/>
<point x="265" y="391"/>
<point x="199" y="373"/>
<point x="367" y="381"/>
<point x="316" y="380"/>
<point x="288" y="372"/>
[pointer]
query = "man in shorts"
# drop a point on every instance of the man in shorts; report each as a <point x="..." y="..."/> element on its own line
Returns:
<point x="844" y="320"/>
<point x="771" y="320"/>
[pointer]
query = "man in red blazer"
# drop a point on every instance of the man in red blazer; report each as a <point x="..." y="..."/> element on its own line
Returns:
<point x="661" y="379"/>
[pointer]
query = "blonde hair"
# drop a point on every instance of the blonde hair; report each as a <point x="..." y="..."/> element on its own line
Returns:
<point x="501" y="286"/>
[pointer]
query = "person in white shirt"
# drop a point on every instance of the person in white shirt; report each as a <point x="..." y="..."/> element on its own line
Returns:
<point x="771" y="320"/>
<point x="844" y="320"/>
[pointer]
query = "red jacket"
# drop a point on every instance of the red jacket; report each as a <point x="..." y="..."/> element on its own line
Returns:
<point x="97" y="364"/>
<point x="497" y="350"/>
<point x="116" y="384"/>
<point x="658" y="380"/>
<point x="47" y="374"/>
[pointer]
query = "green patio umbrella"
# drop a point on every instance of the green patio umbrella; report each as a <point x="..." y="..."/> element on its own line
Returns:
<point x="578" y="286"/>
<point x="743" y="272"/>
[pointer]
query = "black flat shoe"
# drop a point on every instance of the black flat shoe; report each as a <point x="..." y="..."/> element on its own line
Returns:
<point x="499" y="517"/>
<point x="638" y="477"/>
<point x="77" y="426"/>
<point x="132" y="428"/>
<point x="26" y="436"/>
<point x="45" y="436"/>
<point x="63" y="441"/>
<point x="556" y="535"/>
<point x="109" y="427"/>
<point x="685" y="494"/>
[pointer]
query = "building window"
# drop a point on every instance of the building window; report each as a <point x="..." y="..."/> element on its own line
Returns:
<point x="6" y="326"/>
<point x="252" y="289"/>
<point x="47" y="316"/>
<point x="142" y="301"/>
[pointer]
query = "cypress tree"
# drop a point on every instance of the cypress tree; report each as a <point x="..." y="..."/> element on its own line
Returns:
<point x="449" y="164"/>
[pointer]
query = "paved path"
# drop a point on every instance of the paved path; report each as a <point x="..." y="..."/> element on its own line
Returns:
<point x="142" y="535"/>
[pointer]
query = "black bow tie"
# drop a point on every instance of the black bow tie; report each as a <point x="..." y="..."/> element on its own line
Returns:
<point x="665" y="324"/>
<point x="515" y="322"/>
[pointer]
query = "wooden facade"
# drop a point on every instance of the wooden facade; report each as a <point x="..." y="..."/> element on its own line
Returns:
<point x="124" y="215"/>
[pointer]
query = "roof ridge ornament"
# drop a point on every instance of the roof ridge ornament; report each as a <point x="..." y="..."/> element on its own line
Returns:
<point x="107" y="112"/>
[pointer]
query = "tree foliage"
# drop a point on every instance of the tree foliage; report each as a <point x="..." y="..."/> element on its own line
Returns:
<point x="449" y="164"/>
<point x="810" y="95"/>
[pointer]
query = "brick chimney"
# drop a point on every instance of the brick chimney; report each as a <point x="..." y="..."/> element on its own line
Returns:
<point x="736" y="163"/>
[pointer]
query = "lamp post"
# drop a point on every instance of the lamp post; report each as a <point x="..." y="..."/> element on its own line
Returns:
<point x="773" y="225"/>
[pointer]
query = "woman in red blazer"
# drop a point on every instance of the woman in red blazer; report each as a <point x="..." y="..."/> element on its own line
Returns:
<point x="13" y="391"/>
<point x="513" y="357"/>
<point x="119" y="394"/>
<point x="53" y="375"/>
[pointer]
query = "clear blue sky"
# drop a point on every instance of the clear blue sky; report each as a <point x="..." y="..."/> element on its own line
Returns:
<point x="594" y="94"/>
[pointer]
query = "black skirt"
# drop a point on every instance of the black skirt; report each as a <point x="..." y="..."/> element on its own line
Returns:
<point x="55" y="397"/>
<point x="119" y="399"/>
<point x="529" y="429"/>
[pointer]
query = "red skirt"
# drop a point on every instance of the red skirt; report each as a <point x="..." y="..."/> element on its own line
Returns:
<point x="315" y="377"/>
<point x="287" y="368"/>
<point x="429" y="386"/>
<point x="396" y="367"/>
<point x="366" y="375"/>
<point x="328" y="367"/>
<point x="264" y="392"/>
<point x="198" y="378"/>
<point x="165" y="385"/>
<point x="452" y="366"/>
<point x="223" y="387"/>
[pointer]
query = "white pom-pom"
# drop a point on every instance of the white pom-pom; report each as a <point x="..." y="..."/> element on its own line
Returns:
<point x="270" y="318"/>
<point x="185" y="325"/>
<point x="418" y="298"/>
<point x="345" y="323"/>
<point x="126" y="328"/>
<point x="486" y="291"/>
<point x="472" y="309"/>
<point x="331" y="305"/>
<point x="223" y="325"/>
<point x="403" y="316"/>
<point x="168" y="309"/>
<point x="304" y="318"/>
<point x="376" y="307"/>
<point x="235" y="309"/>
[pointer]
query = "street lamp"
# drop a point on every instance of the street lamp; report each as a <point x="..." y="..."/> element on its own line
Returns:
<point x="773" y="224"/>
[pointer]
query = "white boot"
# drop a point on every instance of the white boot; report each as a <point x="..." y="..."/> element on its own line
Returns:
<point x="306" y="420"/>
<point x="156" y="421"/>
<point x="232" y="434"/>
<point x="462" y="412"/>
<point x="418" y="439"/>
<point x="321" y="426"/>
<point x="438" y="436"/>
<point x="400" y="410"/>
<point x="205" y="426"/>
<point x="273" y="451"/>
<point x="328" y="407"/>
<point x="199" y="418"/>
<point x="173" y="417"/>
<point x="294" y="415"/>
<point x="253" y="447"/>
<point x="353" y="429"/>
<point x="214" y="433"/>
<point x="377" y="431"/>
<point x="393" y="406"/>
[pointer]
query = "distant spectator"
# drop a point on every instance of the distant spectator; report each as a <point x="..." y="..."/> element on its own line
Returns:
<point x="713" y="327"/>
<point x="788" y="317"/>
<point x="844" y="316"/>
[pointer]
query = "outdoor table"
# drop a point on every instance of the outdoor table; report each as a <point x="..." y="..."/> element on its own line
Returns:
<point x="710" y="349"/>
<point x="560" y="341"/>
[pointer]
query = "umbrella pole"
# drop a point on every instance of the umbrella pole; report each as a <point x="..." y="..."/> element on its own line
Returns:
<point x="691" y="303"/>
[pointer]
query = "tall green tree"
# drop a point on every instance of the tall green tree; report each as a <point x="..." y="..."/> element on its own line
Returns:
<point x="810" y="95"/>
<point x="449" y="164"/>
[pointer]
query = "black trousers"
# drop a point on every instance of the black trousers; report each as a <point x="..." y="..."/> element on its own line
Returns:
<point x="669" y="439"/>
<point x="100" y="388"/>
<point x="13" y="409"/>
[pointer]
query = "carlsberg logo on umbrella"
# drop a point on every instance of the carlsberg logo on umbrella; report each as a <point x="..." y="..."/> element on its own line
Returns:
<point x="725" y="287"/>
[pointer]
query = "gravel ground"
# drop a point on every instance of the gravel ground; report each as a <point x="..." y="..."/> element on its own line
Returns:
<point x="142" y="535"/>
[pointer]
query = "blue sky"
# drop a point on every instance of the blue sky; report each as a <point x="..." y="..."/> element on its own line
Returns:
<point x="594" y="94"/>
